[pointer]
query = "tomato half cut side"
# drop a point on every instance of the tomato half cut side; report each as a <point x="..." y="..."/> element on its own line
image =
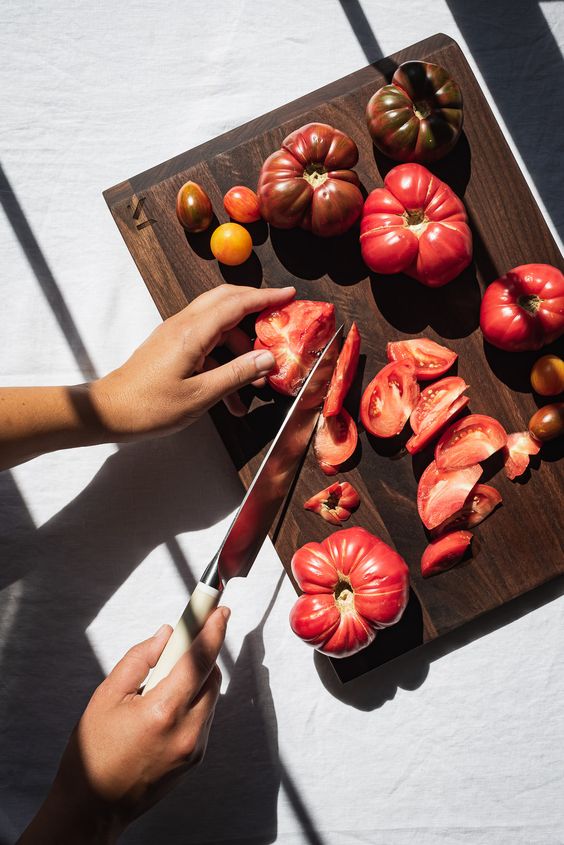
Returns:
<point x="343" y="373"/>
<point x="335" y="441"/>
<point x="442" y="492"/>
<point x="435" y="426"/>
<point x="434" y="400"/>
<point x="430" y="358"/>
<point x="516" y="452"/>
<point x="444" y="553"/>
<point x="334" y="504"/>
<point x="389" y="399"/>
<point x="481" y="502"/>
<point x="469" y="441"/>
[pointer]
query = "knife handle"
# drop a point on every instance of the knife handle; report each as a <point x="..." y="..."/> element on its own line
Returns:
<point x="203" y="602"/>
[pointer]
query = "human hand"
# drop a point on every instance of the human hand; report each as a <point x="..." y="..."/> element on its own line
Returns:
<point x="170" y="380"/>
<point x="128" y="750"/>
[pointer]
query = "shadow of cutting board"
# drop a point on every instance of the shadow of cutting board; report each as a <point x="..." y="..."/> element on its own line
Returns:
<point x="519" y="547"/>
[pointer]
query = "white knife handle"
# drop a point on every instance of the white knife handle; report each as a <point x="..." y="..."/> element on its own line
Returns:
<point x="202" y="603"/>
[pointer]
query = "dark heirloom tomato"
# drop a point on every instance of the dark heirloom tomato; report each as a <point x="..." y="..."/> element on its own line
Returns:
<point x="389" y="399"/>
<point x="242" y="204"/>
<point x="353" y="584"/>
<point x="516" y="453"/>
<point x="343" y="373"/>
<point x="444" y="553"/>
<point x="295" y="334"/>
<point x="335" y="441"/>
<point x="481" y="501"/>
<point x="417" y="225"/>
<point x="431" y="359"/>
<point x="309" y="183"/>
<point x="443" y="492"/>
<point x="524" y="309"/>
<point x="548" y="422"/>
<point x="418" y="116"/>
<point x="336" y="503"/>
<point x="469" y="441"/>
<point x="193" y="207"/>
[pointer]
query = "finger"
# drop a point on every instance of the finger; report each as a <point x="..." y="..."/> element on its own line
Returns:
<point x="208" y="388"/>
<point x="233" y="401"/>
<point x="186" y="679"/>
<point x="195" y="727"/>
<point x="127" y="676"/>
<point x="238" y="342"/>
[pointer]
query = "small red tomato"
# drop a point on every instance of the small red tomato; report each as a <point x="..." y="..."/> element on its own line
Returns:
<point x="547" y="376"/>
<point x="336" y="503"/>
<point x="193" y="207"/>
<point x="444" y="553"/>
<point x="431" y="359"/>
<point x="231" y="244"/>
<point x="335" y="441"/>
<point x="548" y="422"/>
<point x="443" y="492"/>
<point x="389" y="399"/>
<point x="242" y="204"/>
<point x="516" y="453"/>
<point x="343" y="374"/>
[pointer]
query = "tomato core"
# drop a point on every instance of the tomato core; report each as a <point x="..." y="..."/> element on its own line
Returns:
<point x="415" y="219"/>
<point x="530" y="303"/>
<point x="422" y="109"/>
<point x="315" y="174"/>
<point x="344" y="594"/>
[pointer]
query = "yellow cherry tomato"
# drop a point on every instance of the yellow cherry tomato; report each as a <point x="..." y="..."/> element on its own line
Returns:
<point x="547" y="375"/>
<point x="231" y="244"/>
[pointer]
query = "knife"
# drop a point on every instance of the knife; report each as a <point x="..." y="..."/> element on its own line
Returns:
<point x="256" y="513"/>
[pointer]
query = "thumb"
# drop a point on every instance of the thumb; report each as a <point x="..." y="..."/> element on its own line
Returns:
<point x="215" y="384"/>
<point x="128" y="675"/>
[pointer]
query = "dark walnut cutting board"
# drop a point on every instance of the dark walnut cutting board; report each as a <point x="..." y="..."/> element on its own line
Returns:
<point x="518" y="547"/>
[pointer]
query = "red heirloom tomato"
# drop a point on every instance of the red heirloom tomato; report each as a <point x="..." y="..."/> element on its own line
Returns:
<point x="416" y="225"/>
<point x="295" y="334"/>
<point x="353" y="584"/>
<point x="516" y="453"/>
<point x="524" y="309"/>
<point x="431" y="359"/>
<point x="443" y="492"/>
<point x="437" y="405"/>
<point x="389" y="399"/>
<point x="469" y="441"/>
<point x="231" y="244"/>
<point x="481" y="501"/>
<point x="343" y="373"/>
<point x="336" y="503"/>
<point x="193" y="208"/>
<point x="242" y="204"/>
<point x="309" y="182"/>
<point x="444" y="553"/>
<point x="418" y="117"/>
<point x="335" y="441"/>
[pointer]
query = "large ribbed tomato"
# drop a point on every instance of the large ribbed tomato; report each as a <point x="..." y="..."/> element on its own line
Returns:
<point x="418" y="117"/>
<point x="309" y="183"/>
<point x="416" y="225"/>
<point x="353" y="584"/>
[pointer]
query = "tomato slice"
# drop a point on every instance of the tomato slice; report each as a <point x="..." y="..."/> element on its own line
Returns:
<point x="435" y="400"/>
<point x="481" y="501"/>
<point x="336" y="503"/>
<point x="431" y="359"/>
<point x="516" y="453"/>
<point x="295" y="334"/>
<point x="436" y="424"/>
<point x="469" y="441"/>
<point x="389" y="399"/>
<point x="442" y="492"/>
<point x="343" y="373"/>
<point x="444" y="553"/>
<point x="335" y="441"/>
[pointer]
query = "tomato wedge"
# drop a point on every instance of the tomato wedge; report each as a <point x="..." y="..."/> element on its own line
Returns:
<point x="335" y="441"/>
<point x="343" y="373"/>
<point x="444" y="553"/>
<point x="336" y="503"/>
<point x="516" y="453"/>
<point x="389" y="399"/>
<point x="436" y="424"/>
<point x="295" y="334"/>
<point x="481" y="501"/>
<point x="435" y="400"/>
<point x="469" y="441"/>
<point x="431" y="359"/>
<point x="442" y="492"/>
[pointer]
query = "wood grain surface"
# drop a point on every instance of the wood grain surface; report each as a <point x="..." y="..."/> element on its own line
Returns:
<point x="517" y="548"/>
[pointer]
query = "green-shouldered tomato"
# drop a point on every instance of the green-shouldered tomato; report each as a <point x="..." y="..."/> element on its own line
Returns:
<point x="193" y="208"/>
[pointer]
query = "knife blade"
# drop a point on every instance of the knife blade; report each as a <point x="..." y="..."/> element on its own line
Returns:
<point x="256" y="513"/>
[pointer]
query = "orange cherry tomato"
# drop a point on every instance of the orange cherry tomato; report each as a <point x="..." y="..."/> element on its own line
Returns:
<point x="231" y="244"/>
<point x="547" y="375"/>
<point x="193" y="207"/>
<point x="242" y="204"/>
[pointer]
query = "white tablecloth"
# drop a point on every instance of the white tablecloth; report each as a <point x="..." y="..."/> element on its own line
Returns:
<point x="459" y="743"/>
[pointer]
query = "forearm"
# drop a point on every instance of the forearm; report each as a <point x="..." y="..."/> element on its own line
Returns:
<point x="34" y="420"/>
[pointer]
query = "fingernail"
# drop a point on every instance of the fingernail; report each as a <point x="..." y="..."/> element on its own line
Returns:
<point x="226" y="613"/>
<point x="160" y="631"/>
<point x="264" y="362"/>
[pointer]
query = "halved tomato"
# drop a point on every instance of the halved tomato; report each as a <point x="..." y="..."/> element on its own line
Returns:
<point x="431" y="359"/>
<point x="435" y="426"/>
<point x="389" y="399"/>
<point x="442" y="492"/>
<point x="444" y="553"/>
<point x="435" y="400"/>
<point x="343" y="373"/>
<point x="481" y="501"/>
<point x="469" y="441"/>
<point x="516" y="453"/>
<point x="295" y="334"/>
<point x="335" y="441"/>
<point x="336" y="503"/>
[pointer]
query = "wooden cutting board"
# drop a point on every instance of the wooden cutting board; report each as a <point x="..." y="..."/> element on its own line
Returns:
<point x="519" y="547"/>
